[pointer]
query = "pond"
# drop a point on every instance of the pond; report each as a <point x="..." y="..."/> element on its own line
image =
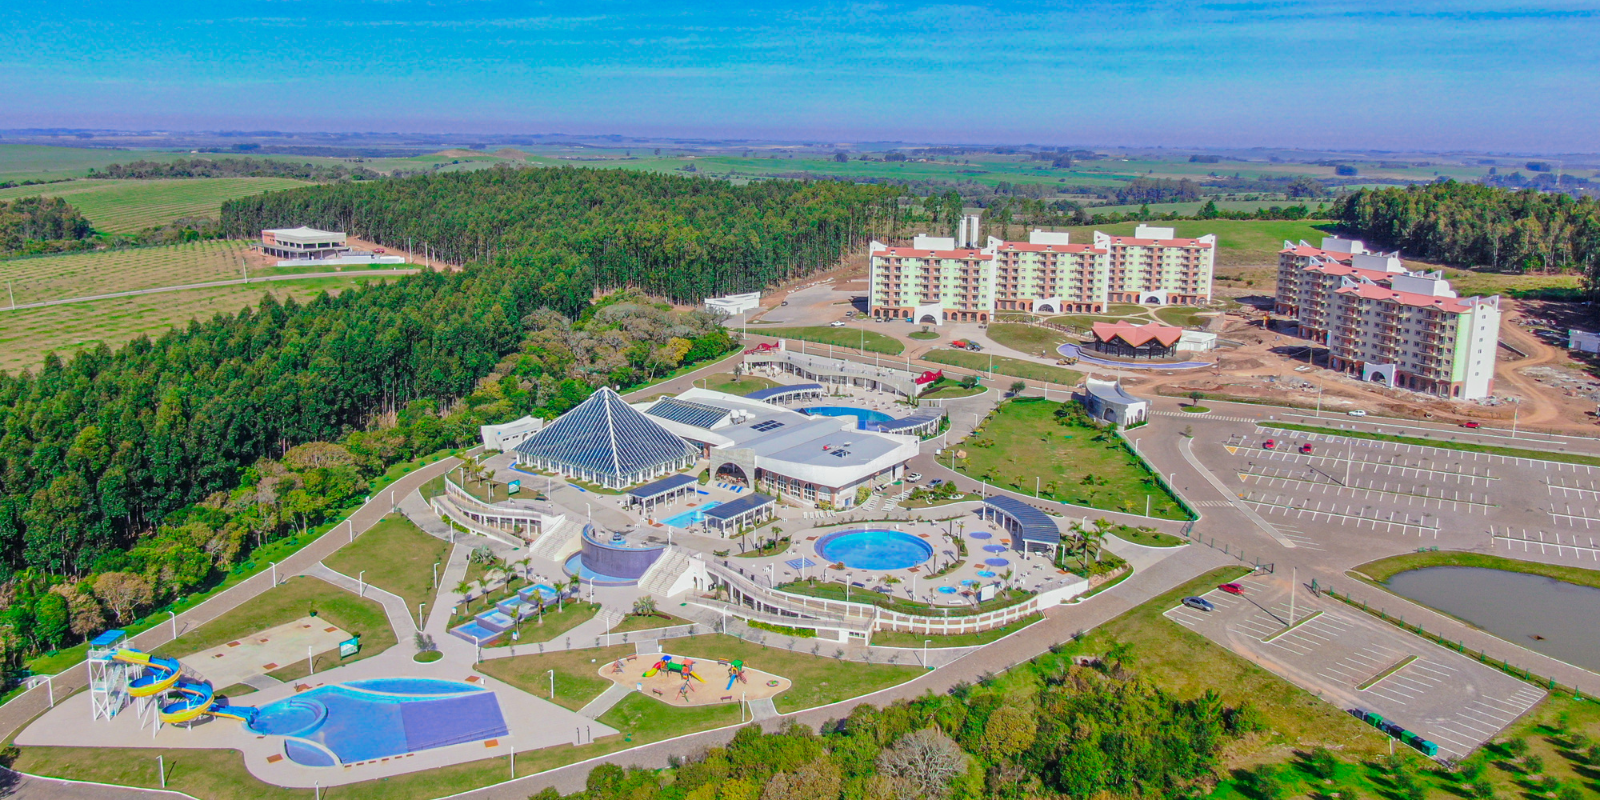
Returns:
<point x="1560" y="620"/>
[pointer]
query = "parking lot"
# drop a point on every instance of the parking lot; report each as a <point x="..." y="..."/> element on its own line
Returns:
<point x="1355" y="661"/>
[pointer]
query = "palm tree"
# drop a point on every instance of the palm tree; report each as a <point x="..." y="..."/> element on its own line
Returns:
<point x="644" y="606"/>
<point x="465" y="590"/>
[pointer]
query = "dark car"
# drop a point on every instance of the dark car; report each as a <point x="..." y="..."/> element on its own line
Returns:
<point x="1232" y="588"/>
<point x="935" y="483"/>
<point x="1270" y="444"/>
<point x="1199" y="603"/>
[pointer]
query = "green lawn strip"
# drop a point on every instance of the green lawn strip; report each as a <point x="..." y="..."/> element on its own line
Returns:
<point x="643" y="719"/>
<point x="904" y="639"/>
<point x="1001" y="365"/>
<point x="1383" y="569"/>
<point x="556" y="622"/>
<point x="1084" y="322"/>
<point x="1189" y="665"/>
<point x="871" y="341"/>
<point x="1022" y="441"/>
<point x="741" y="386"/>
<point x="647" y="622"/>
<point x="1032" y="339"/>
<point x="923" y="335"/>
<point x="1373" y="681"/>
<point x="236" y="690"/>
<point x="835" y="591"/>
<point x="1182" y="316"/>
<point x="1126" y="574"/>
<point x="259" y="561"/>
<point x="289" y="601"/>
<point x="950" y="390"/>
<point x="764" y="552"/>
<point x="817" y="679"/>
<point x="1193" y="409"/>
<point x="1297" y="623"/>
<point x="1468" y="447"/>
<point x="1148" y="538"/>
<point x="578" y="678"/>
<point x="396" y="556"/>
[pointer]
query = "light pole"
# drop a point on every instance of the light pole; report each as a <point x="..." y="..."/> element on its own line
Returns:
<point x="274" y="573"/>
<point x="174" y="623"/>
<point x="925" y="643"/>
<point x="552" y="686"/>
<point x="435" y="574"/>
<point x="420" y="624"/>
<point x="361" y="583"/>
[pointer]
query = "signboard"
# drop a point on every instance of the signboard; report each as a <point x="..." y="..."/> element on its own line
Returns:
<point x="514" y="486"/>
<point x="986" y="593"/>
<point x="350" y="647"/>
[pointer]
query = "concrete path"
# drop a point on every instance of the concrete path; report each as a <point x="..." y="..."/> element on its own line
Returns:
<point x="262" y="683"/>
<point x="610" y="697"/>
<point x="405" y="627"/>
<point x="1187" y="448"/>
<point x="763" y="709"/>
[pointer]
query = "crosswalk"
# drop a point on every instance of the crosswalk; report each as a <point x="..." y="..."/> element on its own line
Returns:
<point x="1205" y="416"/>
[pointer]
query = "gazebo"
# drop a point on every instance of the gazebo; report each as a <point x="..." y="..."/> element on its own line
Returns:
<point x="1126" y="340"/>
<point x="736" y="515"/>
<point x="666" y="490"/>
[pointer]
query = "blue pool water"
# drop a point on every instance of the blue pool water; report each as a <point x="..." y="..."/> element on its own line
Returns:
<point x="865" y="417"/>
<point x="983" y="573"/>
<point x="575" y="567"/>
<point x="692" y="516"/>
<point x="363" y="720"/>
<point x="474" y="631"/>
<point x="946" y="590"/>
<point x="874" y="549"/>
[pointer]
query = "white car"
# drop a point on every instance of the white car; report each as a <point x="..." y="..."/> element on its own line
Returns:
<point x="1358" y="413"/>
<point x="913" y="477"/>
<point x="838" y="323"/>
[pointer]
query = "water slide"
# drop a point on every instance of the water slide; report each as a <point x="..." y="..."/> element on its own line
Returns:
<point x="165" y="676"/>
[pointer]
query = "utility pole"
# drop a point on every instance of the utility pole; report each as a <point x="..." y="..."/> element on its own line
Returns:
<point x="1294" y="587"/>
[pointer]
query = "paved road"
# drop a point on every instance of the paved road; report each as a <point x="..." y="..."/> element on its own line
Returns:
<point x="377" y="273"/>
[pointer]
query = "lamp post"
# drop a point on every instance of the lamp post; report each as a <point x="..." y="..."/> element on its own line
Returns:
<point x="174" y="617"/>
<point x="274" y="573"/>
<point x="552" y="685"/>
<point x="925" y="643"/>
<point x="435" y="574"/>
<point x="419" y="616"/>
<point x="361" y="583"/>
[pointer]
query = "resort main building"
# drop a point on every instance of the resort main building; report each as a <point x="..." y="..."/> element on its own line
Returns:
<point x="937" y="279"/>
<point x="1403" y="329"/>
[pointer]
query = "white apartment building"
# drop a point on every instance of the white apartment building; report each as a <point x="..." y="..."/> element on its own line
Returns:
<point x="1404" y="329"/>
<point x="940" y="279"/>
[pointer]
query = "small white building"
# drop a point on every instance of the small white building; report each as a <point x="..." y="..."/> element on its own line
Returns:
<point x="1107" y="401"/>
<point x="302" y="243"/>
<point x="509" y="435"/>
<point x="734" y="304"/>
<point x="1583" y="341"/>
<point x="1198" y="341"/>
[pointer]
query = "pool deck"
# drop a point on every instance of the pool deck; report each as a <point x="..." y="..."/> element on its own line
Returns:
<point x="664" y="686"/>
<point x="260" y="653"/>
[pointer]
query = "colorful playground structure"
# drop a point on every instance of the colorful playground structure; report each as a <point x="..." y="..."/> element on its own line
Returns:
<point x="736" y="673"/>
<point x="666" y="664"/>
<point x="176" y="698"/>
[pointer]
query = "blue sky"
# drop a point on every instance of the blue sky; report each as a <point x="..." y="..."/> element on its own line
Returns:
<point x="1392" y="75"/>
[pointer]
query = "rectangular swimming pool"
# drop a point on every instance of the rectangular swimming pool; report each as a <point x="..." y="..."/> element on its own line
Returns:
<point x="692" y="516"/>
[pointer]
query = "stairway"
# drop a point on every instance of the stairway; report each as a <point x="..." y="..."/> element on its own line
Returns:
<point x="556" y="541"/>
<point x="661" y="575"/>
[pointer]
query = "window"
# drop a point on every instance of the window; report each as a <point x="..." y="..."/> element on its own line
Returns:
<point x="767" y="425"/>
<point x="839" y="453"/>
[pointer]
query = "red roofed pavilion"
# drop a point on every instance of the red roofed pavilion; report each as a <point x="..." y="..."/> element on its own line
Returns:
<point x="1127" y="340"/>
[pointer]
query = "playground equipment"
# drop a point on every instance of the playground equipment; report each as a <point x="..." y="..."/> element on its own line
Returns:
<point x="163" y="677"/>
<point x="666" y="664"/>
<point x="735" y="673"/>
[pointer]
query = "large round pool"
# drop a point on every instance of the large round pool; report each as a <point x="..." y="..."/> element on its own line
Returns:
<point x="874" y="549"/>
<point x="864" y="417"/>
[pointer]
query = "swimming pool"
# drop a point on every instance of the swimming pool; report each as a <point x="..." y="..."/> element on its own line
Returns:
<point x="946" y="590"/>
<point x="362" y="720"/>
<point x="864" y="417"/>
<point x="874" y="549"/>
<point x="693" y="516"/>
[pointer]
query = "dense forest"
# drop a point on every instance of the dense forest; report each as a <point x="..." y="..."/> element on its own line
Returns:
<point x="1055" y="729"/>
<point x="1474" y="225"/>
<point x="169" y="459"/>
<point x="676" y="237"/>
<point x="233" y="168"/>
<point x="31" y="225"/>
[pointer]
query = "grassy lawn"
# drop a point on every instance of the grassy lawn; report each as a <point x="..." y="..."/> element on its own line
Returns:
<point x="818" y="679"/>
<point x="837" y="591"/>
<point x="556" y="622"/>
<point x="660" y="619"/>
<point x="1385" y="568"/>
<point x="923" y="335"/>
<point x="742" y="385"/>
<point x="950" y="390"/>
<point x="1182" y="316"/>
<point x="1239" y="242"/>
<point x="396" y="556"/>
<point x="128" y="206"/>
<point x="1468" y="447"/>
<point x="1189" y="665"/>
<point x="1146" y="537"/>
<point x="1031" y="339"/>
<point x="287" y="602"/>
<point x="645" y="719"/>
<point x="871" y="341"/>
<point x="903" y="639"/>
<point x="1086" y="466"/>
<point x="1001" y="365"/>
<point x="1194" y="409"/>
<point x="578" y="678"/>
<point x="1084" y="322"/>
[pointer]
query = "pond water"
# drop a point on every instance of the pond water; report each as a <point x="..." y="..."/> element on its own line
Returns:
<point x="1514" y="606"/>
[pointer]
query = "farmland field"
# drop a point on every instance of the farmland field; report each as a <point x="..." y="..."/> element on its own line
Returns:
<point x="126" y="206"/>
<point x="27" y="334"/>
<point x="58" y="277"/>
<point x="20" y="162"/>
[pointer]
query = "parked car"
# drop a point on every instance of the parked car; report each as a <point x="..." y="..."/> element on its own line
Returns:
<point x="913" y="477"/>
<point x="936" y="483"/>
<point x="1270" y="444"/>
<point x="1305" y="449"/>
<point x="1358" y="413"/>
<point x="838" y="323"/>
<point x="784" y="303"/>
<point x="1471" y="424"/>
<point x="849" y="313"/>
<point x="1232" y="588"/>
<point x="1199" y="603"/>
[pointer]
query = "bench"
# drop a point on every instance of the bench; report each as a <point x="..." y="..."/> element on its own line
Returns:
<point x="658" y="692"/>
<point x="727" y="698"/>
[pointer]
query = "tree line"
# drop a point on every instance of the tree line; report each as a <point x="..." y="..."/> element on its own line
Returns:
<point x="232" y="168"/>
<point x="1052" y="728"/>
<point x="30" y="225"/>
<point x="1474" y="225"/>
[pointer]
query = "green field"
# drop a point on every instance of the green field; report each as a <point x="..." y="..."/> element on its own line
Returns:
<point x="33" y="280"/>
<point x="1183" y="316"/>
<point x="21" y="162"/>
<point x="1030" y="339"/>
<point x="26" y="335"/>
<point x="127" y="206"/>
<point x="871" y="341"/>
<point x="818" y="679"/>
<point x="1240" y="243"/>
<point x="1084" y="466"/>
<point x="1001" y="365"/>
<point x="396" y="556"/>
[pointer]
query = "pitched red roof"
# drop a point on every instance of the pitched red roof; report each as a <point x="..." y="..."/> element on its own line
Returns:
<point x="908" y="252"/>
<point x="1136" y="335"/>
<point x="1372" y="292"/>
<point x="1335" y="268"/>
<point x="1307" y="251"/>
<point x="1029" y="247"/>
<point x="1129" y="241"/>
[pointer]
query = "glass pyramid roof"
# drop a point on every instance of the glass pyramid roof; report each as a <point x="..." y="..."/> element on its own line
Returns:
<point x="605" y="435"/>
